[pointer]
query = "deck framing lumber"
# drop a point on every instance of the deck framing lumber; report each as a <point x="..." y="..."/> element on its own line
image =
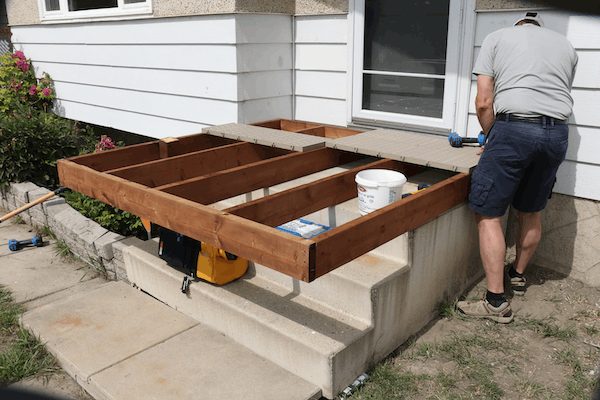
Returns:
<point x="173" y="182"/>
<point x="340" y="245"/>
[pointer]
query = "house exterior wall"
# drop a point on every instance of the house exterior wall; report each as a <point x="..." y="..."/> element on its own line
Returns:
<point x="22" y="12"/>
<point x="167" y="77"/>
<point x="321" y="65"/>
<point x="26" y="12"/>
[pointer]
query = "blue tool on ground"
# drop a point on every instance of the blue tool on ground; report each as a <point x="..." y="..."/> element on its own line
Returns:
<point x="15" y="245"/>
<point x="457" y="141"/>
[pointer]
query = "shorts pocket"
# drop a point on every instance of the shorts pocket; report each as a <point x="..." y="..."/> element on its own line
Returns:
<point x="481" y="185"/>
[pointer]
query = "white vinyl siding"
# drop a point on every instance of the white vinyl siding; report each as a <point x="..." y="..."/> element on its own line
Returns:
<point x="197" y="71"/>
<point x="578" y="176"/>
<point x="321" y="62"/>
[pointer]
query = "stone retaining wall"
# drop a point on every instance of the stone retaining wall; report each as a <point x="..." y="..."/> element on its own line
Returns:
<point x="87" y="239"/>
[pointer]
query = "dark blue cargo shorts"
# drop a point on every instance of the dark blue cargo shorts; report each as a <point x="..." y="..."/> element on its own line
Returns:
<point x="518" y="167"/>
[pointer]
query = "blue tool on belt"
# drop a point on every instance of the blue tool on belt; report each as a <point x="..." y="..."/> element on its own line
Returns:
<point x="457" y="141"/>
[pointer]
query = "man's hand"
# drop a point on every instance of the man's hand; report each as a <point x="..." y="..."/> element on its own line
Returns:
<point x="480" y="151"/>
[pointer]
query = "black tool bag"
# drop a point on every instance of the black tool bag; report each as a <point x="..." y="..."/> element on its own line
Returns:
<point x="179" y="251"/>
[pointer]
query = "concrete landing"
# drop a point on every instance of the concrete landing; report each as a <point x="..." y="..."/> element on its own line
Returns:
<point x="120" y="343"/>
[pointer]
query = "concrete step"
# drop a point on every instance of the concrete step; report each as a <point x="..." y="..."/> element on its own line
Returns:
<point x="309" y="338"/>
<point x="119" y="344"/>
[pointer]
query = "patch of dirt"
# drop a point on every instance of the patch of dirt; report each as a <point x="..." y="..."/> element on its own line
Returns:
<point x="550" y="351"/>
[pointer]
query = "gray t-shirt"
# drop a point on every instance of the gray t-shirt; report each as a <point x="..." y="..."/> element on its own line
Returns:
<point x="533" y="70"/>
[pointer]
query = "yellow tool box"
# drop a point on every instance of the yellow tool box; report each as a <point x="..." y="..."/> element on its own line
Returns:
<point x="218" y="266"/>
<point x="199" y="260"/>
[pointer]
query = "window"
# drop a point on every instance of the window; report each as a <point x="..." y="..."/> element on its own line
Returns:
<point x="406" y="61"/>
<point x="76" y="9"/>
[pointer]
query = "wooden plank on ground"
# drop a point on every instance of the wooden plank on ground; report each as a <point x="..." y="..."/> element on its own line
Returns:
<point x="286" y="253"/>
<point x="349" y="241"/>
<point x="288" y="205"/>
<point x="258" y="175"/>
<point x="190" y="165"/>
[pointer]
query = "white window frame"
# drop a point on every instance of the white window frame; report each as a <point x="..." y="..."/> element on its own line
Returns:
<point x="458" y="40"/>
<point x="122" y="10"/>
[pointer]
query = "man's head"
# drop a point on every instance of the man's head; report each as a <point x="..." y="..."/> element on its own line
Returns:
<point x="531" y="17"/>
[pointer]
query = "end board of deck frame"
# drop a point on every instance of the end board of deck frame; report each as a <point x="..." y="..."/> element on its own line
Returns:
<point x="145" y="152"/>
<point x="349" y="241"/>
<point x="163" y="146"/>
<point x="283" y="252"/>
<point x="179" y="168"/>
<point x="236" y="181"/>
<point x="288" y="205"/>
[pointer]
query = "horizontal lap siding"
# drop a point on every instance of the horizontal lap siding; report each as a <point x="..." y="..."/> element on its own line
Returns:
<point x="578" y="174"/>
<point x="143" y="76"/>
<point x="321" y="64"/>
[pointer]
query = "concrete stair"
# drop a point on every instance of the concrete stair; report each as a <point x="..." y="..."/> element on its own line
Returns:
<point x="328" y="331"/>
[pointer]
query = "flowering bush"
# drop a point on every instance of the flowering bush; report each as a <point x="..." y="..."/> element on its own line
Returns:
<point x="19" y="84"/>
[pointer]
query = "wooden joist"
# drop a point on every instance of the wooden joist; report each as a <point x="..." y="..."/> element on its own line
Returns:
<point x="232" y="182"/>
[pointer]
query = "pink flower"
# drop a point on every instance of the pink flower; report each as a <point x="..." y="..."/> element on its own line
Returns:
<point x="46" y="92"/>
<point x="19" y="54"/>
<point x="22" y="65"/>
<point x="33" y="90"/>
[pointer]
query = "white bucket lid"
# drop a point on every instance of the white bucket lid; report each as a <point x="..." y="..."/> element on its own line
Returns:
<point x="380" y="177"/>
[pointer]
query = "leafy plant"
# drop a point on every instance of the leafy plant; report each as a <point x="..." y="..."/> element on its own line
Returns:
<point x="30" y="144"/>
<point x="108" y="216"/>
<point x="18" y="84"/>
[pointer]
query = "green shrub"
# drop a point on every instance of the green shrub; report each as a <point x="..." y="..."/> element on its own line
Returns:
<point x="109" y="217"/>
<point x="30" y="144"/>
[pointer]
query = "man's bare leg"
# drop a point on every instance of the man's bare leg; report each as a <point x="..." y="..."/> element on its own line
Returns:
<point x="528" y="238"/>
<point x="492" y="247"/>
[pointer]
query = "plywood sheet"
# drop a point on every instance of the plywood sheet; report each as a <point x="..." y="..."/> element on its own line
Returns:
<point x="427" y="150"/>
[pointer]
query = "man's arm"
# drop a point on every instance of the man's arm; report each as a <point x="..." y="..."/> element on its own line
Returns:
<point x="484" y="102"/>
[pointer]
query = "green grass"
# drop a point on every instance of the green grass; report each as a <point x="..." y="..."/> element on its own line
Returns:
<point x="17" y="219"/>
<point x="547" y="328"/>
<point x="388" y="382"/>
<point x="23" y="356"/>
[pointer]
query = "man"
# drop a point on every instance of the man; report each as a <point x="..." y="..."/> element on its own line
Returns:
<point x="525" y="73"/>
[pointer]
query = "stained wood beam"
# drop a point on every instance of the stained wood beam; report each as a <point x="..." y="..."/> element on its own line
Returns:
<point x="198" y="163"/>
<point x="144" y="152"/>
<point x="225" y="184"/>
<point x="288" y="205"/>
<point x="286" y="253"/>
<point x="349" y="241"/>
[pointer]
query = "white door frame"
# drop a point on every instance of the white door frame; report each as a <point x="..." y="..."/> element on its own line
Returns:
<point x="457" y="88"/>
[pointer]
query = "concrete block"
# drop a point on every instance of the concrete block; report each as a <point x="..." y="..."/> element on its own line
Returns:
<point x="104" y="244"/>
<point x="122" y="244"/>
<point x="54" y="206"/>
<point x="109" y="266"/>
<point x="20" y="190"/>
<point x="36" y="212"/>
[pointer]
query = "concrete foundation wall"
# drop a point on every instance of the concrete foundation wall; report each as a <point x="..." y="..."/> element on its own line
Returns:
<point x="570" y="238"/>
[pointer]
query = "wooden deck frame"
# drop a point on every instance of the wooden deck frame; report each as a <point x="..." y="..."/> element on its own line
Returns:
<point x="136" y="179"/>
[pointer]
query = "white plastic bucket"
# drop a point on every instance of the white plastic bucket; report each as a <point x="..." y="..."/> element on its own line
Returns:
<point x="377" y="188"/>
